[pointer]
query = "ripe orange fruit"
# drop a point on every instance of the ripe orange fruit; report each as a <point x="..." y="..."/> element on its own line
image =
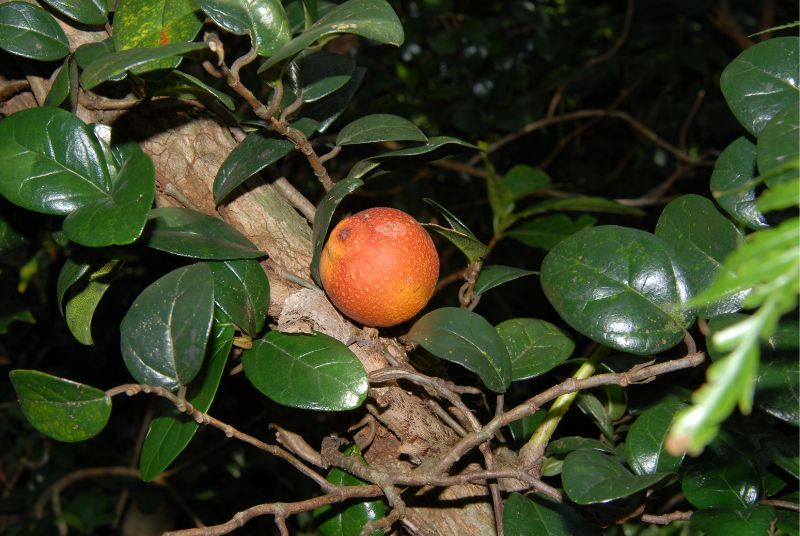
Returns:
<point x="379" y="267"/>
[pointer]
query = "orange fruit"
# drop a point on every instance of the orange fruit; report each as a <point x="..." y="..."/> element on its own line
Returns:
<point x="379" y="267"/>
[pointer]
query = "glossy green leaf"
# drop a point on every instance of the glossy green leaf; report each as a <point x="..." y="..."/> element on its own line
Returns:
<point x="379" y="127"/>
<point x="618" y="286"/>
<point x="470" y="246"/>
<point x="59" y="91"/>
<point x="182" y="85"/>
<point x="724" y="481"/>
<point x="762" y="81"/>
<point x="171" y="431"/>
<point x="522" y="429"/>
<point x="326" y="110"/>
<point x="373" y="19"/>
<point x="28" y="30"/>
<point x="90" y="12"/>
<point x="163" y="335"/>
<point x="733" y="183"/>
<point x="547" y="231"/>
<point x="494" y="276"/>
<point x="779" y="142"/>
<point x="183" y="231"/>
<point x="120" y="216"/>
<point x="564" y="445"/>
<point x="644" y="446"/>
<point x="61" y="409"/>
<point x="591" y="477"/>
<point x="89" y="52"/>
<point x="264" y="20"/>
<point x="323" y="215"/>
<point x="71" y="272"/>
<point x="311" y="371"/>
<point x="52" y="162"/>
<point x="241" y="290"/>
<point x="80" y="307"/>
<point x="535" y="346"/>
<point x="537" y="514"/>
<point x="115" y="65"/>
<point x="437" y="147"/>
<point x="466" y="338"/>
<point x="154" y="23"/>
<point x="580" y="203"/>
<point x="253" y="154"/>
<point x="734" y="521"/>
<point x="702" y="238"/>
<point x="316" y="75"/>
<point x="501" y="198"/>
<point x="455" y="223"/>
<point x="591" y="406"/>
<point x="523" y="180"/>
<point x="349" y="518"/>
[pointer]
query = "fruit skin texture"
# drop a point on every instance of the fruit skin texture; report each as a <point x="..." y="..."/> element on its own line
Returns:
<point x="379" y="267"/>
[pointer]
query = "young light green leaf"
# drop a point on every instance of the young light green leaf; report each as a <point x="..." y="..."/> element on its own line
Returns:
<point x="466" y="338"/>
<point x="171" y="431"/>
<point x="783" y="195"/>
<point x="762" y="81"/>
<point x="241" y="290"/>
<point x="728" y="481"/>
<point x="253" y="154"/>
<point x="733" y="183"/>
<point x="494" y="276"/>
<point x="591" y="477"/>
<point x="373" y="19"/>
<point x="537" y="514"/>
<point x="644" y="446"/>
<point x="163" y="335"/>
<point x="618" y="286"/>
<point x="183" y="231"/>
<point x="323" y="215"/>
<point x="534" y="346"/>
<point x="115" y="65"/>
<point x="753" y="521"/>
<point x="264" y="20"/>
<point x="315" y="75"/>
<point x="547" y="231"/>
<point x="779" y="142"/>
<point x="379" y="127"/>
<point x="80" y="306"/>
<point x="28" y="30"/>
<point x="61" y="409"/>
<point x="470" y="246"/>
<point x="90" y="12"/>
<point x="52" y="162"/>
<point x="306" y="371"/>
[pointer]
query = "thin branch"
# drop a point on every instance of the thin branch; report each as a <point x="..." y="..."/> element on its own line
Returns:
<point x="626" y="26"/>
<point x="296" y="199"/>
<point x="666" y="519"/>
<point x="698" y="101"/>
<point x="777" y="503"/>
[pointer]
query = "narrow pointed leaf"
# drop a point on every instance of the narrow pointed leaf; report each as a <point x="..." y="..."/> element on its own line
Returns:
<point x="326" y="110"/>
<point x="316" y="75"/>
<point x="373" y="19"/>
<point x="494" y="276"/>
<point x="534" y="346"/>
<point x="179" y="84"/>
<point x="90" y="12"/>
<point x="644" y="446"/>
<point x="81" y="306"/>
<point x="733" y="183"/>
<point x="171" y="431"/>
<point x="253" y="154"/>
<point x="306" y="371"/>
<point x="470" y="246"/>
<point x="71" y="272"/>
<point x="456" y="224"/>
<point x="537" y="514"/>
<point x="52" y="162"/>
<point x="163" y="336"/>
<point x="61" y="409"/>
<point x="466" y="338"/>
<point x="323" y="215"/>
<point x="379" y="127"/>
<point x="28" y="30"/>
<point x="189" y="233"/>
<point x="264" y="20"/>
<point x="59" y="91"/>
<point x="436" y="147"/>
<point x="241" y="290"/>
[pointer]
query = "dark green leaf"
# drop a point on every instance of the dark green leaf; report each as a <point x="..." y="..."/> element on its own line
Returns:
<point x="183" y="231"/>
<point x="618" y="286"/>
<point x="535" y="346"/>
<point x="52" y="162"/>
<point x="80" y="306"/>
<point x="253" y="154"/>
<point x="580" y="204"/>
<point x="163" y="335"/>
<point x="733" y="183"/>
<point x="591" y="477"/>
<point x="264" y="20"/>
<point x="565" y="445"/>
<point x="547" y="231"/>
<point x="456" y="224"/>
<point x="523" y="180"/>
<point x="241" y="289"/>
<point x="373" y="19"/>
<point x="724" y="481"/>
<point x="644" y="446"/>
<point x="115" y="65"/>
<point x="171" y="431"/>
<point x="522" y="429"/>
<point x="762" y="81"/>
<point x="306" y="371"/>
<point x="537" y="514"/>
<point x="89" y="52"/>
<point x="118" y="218"/>
<point x="323" y="215"/>
<point x="436" y="148"/>
<point x="788" y="522"/>
<point x="28" y="30"/>
<point x="59" y="91"/>
<point x="327" y="109"/>
<point x="61" y="409"/>
<point x="591" y="406"/>
<point x="494" y="276"/>
<point x="182" y="85"/>
<point x="91" y="12"/>
<point x="318" y="74"/>
<point x="347" y="519"/>
<point x="72" y="271"/>
<point x="379" y="127"/>
<point x="734" y="521"/>
<point x="701" y="238"/>
<point x="779" y="142"/>
<point x="466" y="338"/>
<point x="470" y="246"/>
<point x="501" y="198"/>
